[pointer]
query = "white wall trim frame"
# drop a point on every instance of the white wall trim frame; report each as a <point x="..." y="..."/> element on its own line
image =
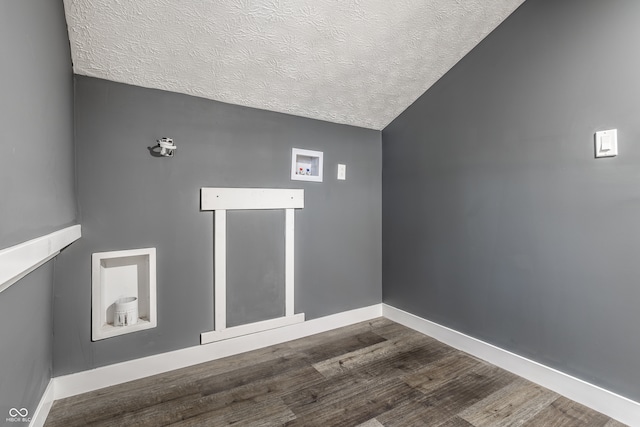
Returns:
<point x="251" y="328"/>
<point x="213" y="199"/>
<point x="613" y="405"/>
<point x="220" y="270"/>
<point x="20" y="260"/>
<point x="82" y="382"/>
<point x="222" y="199"/>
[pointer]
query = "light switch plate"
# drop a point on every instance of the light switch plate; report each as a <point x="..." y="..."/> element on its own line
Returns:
<point x="342" y="172"/>
<point x="606" y="143"/>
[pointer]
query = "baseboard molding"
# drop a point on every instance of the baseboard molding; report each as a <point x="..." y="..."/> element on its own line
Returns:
<point x="82" y="382"/>
<point x="40" y="415"/>
<point x="613" y="405"/>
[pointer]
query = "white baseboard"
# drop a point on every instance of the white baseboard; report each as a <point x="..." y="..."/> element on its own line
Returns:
<point x="40" y="415"/>
<point x="82" y="382"/>
<point x="615" y="406"/>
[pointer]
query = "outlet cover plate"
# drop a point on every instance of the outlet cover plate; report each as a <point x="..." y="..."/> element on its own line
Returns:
<point x="606" y="143"/>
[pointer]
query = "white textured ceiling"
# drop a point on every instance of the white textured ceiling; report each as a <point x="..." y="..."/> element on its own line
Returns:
<point x="358" y="62"/>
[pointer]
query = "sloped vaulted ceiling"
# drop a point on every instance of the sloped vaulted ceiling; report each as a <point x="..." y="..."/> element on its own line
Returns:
<point x="358" y="62"/>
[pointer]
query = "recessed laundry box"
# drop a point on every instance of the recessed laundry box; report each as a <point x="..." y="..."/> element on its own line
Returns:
<point x="123" y="298"/>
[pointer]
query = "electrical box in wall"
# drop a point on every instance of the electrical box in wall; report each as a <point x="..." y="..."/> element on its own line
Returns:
<point x="122" y="276"/>
<point x="606" y="143"/>
<point x="306" y="165"/>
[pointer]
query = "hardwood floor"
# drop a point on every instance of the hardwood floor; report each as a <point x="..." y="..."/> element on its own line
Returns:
<point x="371" y="374"/>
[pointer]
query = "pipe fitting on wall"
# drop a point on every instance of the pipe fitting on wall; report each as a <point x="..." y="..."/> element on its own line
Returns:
<point x="165" y="147"/>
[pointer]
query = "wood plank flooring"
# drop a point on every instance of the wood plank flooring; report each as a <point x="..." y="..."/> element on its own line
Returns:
<point x="371" y="374"/>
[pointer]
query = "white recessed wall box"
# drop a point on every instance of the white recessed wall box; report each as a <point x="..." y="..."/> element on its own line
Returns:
<point x="306" y="165"/>
<point x="606" y="143"/>
<point x="122" y="275"/>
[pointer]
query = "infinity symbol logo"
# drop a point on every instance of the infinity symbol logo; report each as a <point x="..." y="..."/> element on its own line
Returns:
<point x="22" y="412"/>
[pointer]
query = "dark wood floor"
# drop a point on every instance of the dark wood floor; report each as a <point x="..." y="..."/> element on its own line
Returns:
<point x="372" y="374"/>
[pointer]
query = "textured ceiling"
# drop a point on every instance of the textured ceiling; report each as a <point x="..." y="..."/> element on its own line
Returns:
<point x="358" y="62"/>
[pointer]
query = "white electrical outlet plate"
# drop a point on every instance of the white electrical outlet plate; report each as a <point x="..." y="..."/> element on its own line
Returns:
<point x="606" y="143"/>
<point x="342" y="172"/>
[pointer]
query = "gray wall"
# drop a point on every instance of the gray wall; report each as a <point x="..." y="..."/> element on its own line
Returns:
<point x="129" y="199"/>
<point x="25" y="341"/>
<point x="256" y="293"/>
<point x="36" y="166"/>
<point x="37" y="192"/>
<point x="497" y="219"/>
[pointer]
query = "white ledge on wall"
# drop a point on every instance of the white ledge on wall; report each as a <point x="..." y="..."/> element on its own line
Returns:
<point x="20" y="260"/>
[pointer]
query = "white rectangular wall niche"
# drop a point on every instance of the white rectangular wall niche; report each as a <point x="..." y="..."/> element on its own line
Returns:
<point x="306" y="165"/>
<point x="122" y="274"/>
<point x="222" y="199"/>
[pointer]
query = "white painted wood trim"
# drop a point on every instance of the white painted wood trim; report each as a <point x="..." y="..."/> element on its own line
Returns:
<point x="250" y="328"/>
<point x="220" y="265"/>
<point x="289" y="271"/>
<point x="42" y="411"/>
<point x="222" y="199"/>
<point x="251" y="198"/>
<point x="19" y="260"/>
<point x="97" y="256"/>
<point x="82" y="382"/>
<point x="613" y="405"/>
